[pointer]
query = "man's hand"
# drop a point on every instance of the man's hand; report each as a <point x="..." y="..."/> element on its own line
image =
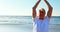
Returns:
<point x="38" y="0"/>
<point x="44" y="0"/>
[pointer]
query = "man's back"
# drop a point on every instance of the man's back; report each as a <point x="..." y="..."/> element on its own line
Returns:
<point x="40" y="25"/>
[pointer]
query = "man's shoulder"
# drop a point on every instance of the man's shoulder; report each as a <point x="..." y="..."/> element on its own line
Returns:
<point x="36" y="17"/>
<point x="47" y="18"/>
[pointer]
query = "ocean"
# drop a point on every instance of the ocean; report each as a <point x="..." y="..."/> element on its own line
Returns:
<point x="24" y="24"/>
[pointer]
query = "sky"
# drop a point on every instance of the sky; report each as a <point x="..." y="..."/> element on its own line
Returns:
<point x="24" y="7"/>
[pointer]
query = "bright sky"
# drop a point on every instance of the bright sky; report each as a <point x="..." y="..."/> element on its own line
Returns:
<point x="24" y="7"/>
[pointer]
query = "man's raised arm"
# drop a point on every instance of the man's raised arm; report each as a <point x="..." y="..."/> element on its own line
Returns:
<point x="34" y="9"/>
<point x="49" y="13"/>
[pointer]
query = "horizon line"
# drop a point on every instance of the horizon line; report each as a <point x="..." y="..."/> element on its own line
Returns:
<point x="14" y="15"/>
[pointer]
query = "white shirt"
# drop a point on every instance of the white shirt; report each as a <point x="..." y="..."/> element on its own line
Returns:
<point x="40" y="25"/>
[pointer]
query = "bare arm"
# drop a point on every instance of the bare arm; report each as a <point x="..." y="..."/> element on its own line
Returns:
<point x="49" y="13"/>
<point x="34" y="9"/>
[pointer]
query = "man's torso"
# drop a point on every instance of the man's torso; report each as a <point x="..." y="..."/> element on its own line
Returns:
<point x="40" y="25"/>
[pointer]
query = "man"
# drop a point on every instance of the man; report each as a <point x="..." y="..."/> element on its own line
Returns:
<point x="41" y="22"/>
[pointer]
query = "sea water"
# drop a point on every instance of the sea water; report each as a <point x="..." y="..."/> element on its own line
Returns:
<point x="24" y="24"/>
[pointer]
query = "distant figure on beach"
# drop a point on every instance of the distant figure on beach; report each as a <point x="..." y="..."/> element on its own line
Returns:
<point x="41" y="22"/>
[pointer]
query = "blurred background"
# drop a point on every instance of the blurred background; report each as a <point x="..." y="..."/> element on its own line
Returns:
<point x="16" y="15"/>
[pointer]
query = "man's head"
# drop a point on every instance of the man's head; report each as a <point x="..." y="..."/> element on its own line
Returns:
<point x="42" y="13"/>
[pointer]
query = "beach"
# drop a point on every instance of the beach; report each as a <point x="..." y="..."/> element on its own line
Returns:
<point x="24" y="24"/>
